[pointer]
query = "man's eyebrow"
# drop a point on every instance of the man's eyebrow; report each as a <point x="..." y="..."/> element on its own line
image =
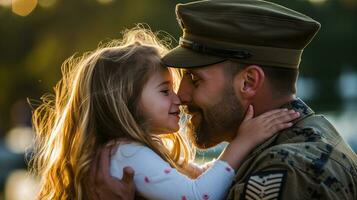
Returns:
<point x="163" y="83"/>
<point x="186" y="71"/>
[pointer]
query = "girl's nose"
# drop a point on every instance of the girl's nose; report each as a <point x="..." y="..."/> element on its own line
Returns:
<point x="176" y="99"/>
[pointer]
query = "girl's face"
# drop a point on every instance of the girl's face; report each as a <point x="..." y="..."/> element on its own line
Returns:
<point x="159" y="104"/>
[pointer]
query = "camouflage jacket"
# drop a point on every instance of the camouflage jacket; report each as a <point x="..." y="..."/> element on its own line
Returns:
<point x="308" y="161"/>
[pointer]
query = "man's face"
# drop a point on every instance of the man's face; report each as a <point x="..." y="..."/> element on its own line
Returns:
<point x="215" y="110"/>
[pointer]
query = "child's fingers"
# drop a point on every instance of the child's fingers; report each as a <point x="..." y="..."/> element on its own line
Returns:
<point x="249" y="114"/>
<point x="278" y="115"/>
<point x="128" y="175"/>
<point x="94" y="167"/>
<point x="287" y="117"/>
<point x="103" y="163"/>
<point x="281" y="126"/>
<point x="284" y="118"/>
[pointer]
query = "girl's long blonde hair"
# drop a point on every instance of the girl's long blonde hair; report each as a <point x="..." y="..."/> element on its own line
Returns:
<point x="96" y="102"/>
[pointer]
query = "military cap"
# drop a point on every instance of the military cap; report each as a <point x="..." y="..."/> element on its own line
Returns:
<point x="251" y="31"/>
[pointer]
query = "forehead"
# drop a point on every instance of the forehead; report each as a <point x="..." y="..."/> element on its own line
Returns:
<point x="160" y="75"/>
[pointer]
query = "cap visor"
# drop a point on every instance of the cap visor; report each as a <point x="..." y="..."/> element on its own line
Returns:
<point x="181" y="57"/>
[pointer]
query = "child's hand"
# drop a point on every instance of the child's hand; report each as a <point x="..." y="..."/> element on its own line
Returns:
<point x="258" y="129"/>
<point x="105" y="186"/>
<point x="254" y="131"/>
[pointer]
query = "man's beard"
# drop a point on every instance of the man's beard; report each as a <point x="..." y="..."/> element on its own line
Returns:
<point x="218" y="123"/>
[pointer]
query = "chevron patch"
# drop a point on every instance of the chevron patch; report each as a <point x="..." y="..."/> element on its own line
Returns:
<point x="265" y="185"/>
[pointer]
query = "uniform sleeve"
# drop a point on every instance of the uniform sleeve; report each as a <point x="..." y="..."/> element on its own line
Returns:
<point x="285" y="174"/>
<point x="155" y="179"/>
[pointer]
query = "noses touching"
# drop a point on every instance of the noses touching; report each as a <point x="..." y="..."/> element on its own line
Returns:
<point x="185" y="92"/>
<point x="184" y="98"/>
<point x="176" y="99"/>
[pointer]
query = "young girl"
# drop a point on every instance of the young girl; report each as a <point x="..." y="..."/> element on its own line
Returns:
<point x="123" y="93"/>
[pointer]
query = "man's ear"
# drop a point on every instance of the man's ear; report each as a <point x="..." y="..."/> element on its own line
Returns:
<point x="249" y="81"/>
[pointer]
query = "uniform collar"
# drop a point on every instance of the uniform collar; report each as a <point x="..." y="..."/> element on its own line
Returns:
<point x="297" y="105"/>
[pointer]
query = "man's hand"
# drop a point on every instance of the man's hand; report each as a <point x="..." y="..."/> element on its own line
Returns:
<point x="107" y="187"/>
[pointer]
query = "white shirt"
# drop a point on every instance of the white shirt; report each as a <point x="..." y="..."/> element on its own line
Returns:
<point x="156" y="179"/>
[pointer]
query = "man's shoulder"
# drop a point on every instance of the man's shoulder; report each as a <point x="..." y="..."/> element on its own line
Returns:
<point x="311" y="144"/>
<point x="304" y="167"/>
<point x="310" y="159"/>
<point x="313" y="158"/>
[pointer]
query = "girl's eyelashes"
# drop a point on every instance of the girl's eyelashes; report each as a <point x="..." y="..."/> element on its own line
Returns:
<point x="165" y="92"/>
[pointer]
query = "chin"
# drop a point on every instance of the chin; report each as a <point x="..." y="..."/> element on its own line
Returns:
<point x="173" y="128"/>
<point x="165" y="130"/>
<point x="204" y="144"/>
<point x="201" y="140"/>
<point x="204" y="138"/>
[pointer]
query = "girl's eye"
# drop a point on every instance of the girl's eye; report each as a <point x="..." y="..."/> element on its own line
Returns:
<point x="166" y="92"/>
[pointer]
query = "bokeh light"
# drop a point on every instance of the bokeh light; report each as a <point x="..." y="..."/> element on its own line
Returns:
<point x="19" y="139"/>
<point x="21" y="185"/>
<point x="47" y="3"/>
<point x="318" y="2"/>
<point x="23" y="7"/>
<point x="5" y="3"/>
<point x="105" y="1"/>
<point x="348" y="84"/>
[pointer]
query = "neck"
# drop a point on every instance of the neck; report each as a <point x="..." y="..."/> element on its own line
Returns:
<point x="260" y="107"/>
<point x="270" y="104"/>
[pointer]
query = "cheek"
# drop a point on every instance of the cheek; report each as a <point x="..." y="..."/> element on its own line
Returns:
<point x="207" y="95"/>
<point x="164" y="106"/>
<point x="152" y="109"/>
<point x="160" y="107"/>
<point x="237" y="85"/>
<point x="200" y="98"/>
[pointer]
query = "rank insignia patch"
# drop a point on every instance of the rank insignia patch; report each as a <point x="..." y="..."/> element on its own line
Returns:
<point x="265" y="185"/>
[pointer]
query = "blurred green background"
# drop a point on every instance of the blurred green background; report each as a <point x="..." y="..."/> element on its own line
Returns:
<point x="36" y="36"/>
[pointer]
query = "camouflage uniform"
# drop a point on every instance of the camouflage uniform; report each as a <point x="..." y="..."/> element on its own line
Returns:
<point x="308" y="161"/>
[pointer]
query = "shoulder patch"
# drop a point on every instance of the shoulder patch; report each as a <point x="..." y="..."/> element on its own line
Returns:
<point x="264" y="185"/>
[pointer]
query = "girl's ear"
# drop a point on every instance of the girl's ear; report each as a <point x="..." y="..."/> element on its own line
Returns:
<point x="249" y="81"/>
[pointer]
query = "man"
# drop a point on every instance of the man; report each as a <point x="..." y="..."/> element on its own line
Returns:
<point x="240" y="52"/>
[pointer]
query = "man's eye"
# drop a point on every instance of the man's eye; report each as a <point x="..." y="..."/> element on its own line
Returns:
<point x="194" y="79"/>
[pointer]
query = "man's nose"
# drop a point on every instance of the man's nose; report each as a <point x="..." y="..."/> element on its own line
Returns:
<point x="185" y="90"/>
